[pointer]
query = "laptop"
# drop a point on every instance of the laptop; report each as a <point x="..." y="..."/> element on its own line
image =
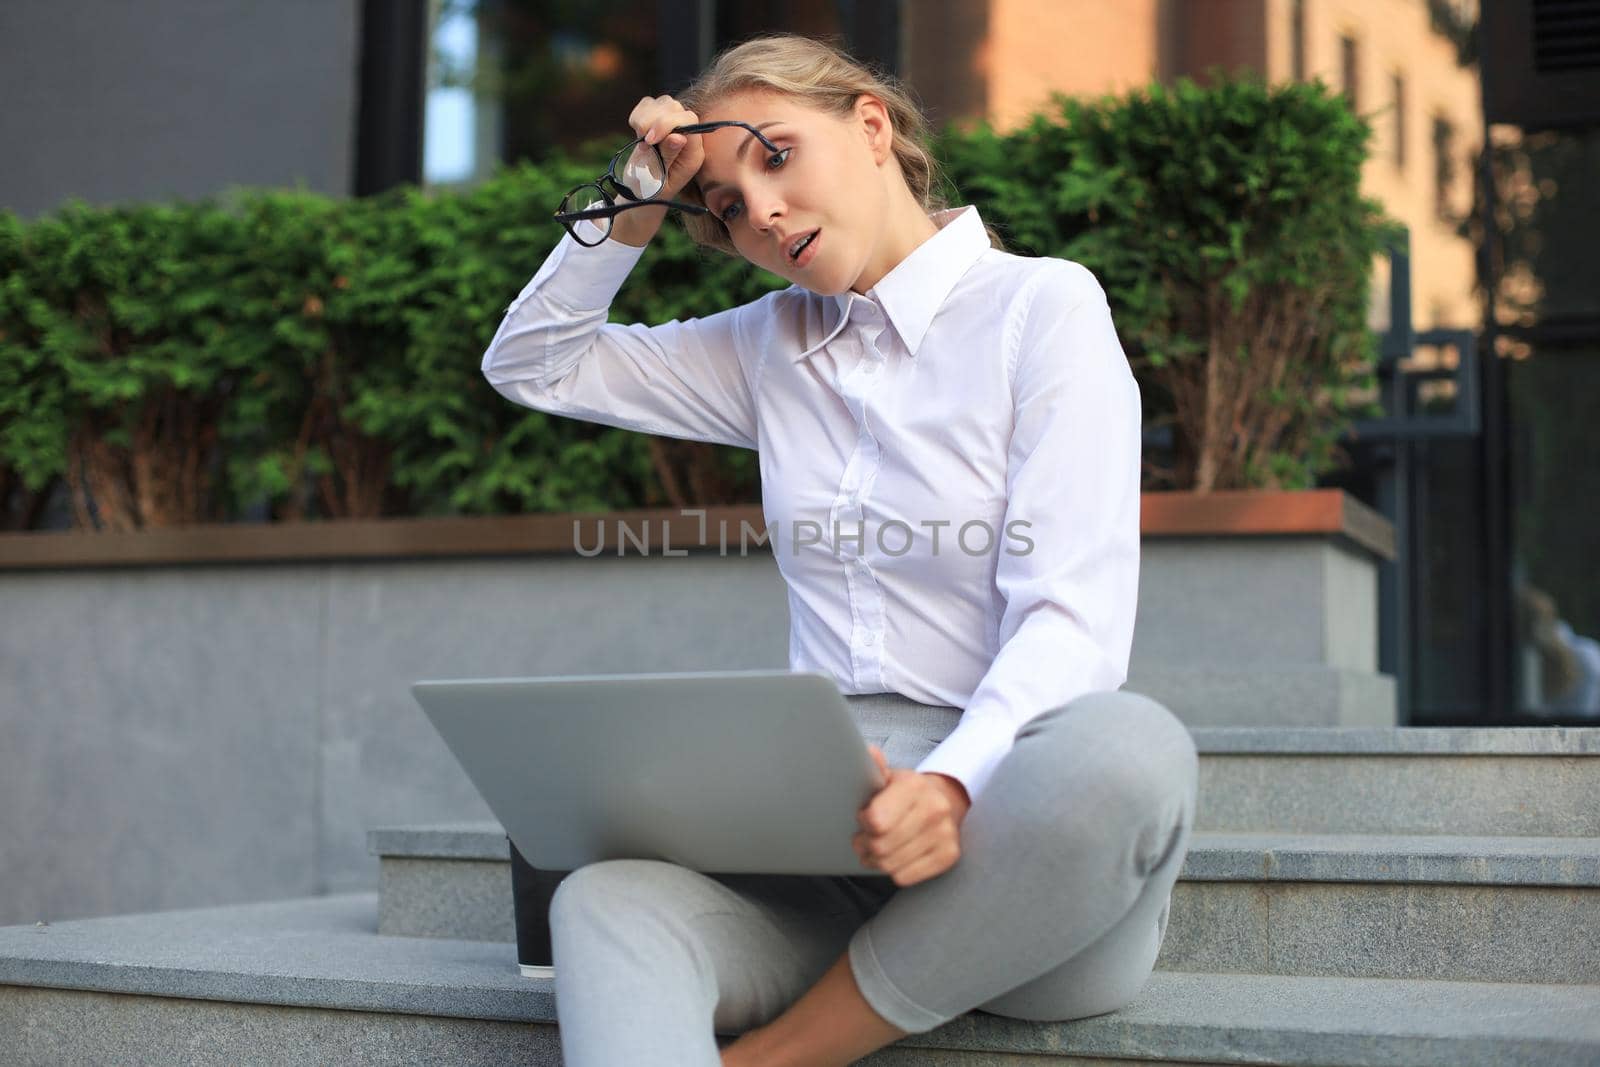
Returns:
<point x="754" y="771"/>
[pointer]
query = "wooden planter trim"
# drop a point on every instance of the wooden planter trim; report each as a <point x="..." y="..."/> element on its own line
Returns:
<point x="1311" y="512"/>
<point x="1234" y="512"/>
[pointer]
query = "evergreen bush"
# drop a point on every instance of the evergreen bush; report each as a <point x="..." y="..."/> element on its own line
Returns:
<point x="287" y="353"/>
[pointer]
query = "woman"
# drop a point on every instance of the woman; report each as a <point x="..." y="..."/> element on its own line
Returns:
<point x="915" y="379"/>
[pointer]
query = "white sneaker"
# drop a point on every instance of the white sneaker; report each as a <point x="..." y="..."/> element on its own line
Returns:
<point x="534" y="970"/>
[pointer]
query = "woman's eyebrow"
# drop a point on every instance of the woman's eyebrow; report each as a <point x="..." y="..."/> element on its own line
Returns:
<point x="709" y="187"/>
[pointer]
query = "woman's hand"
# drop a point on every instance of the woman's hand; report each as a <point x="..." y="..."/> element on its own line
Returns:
<point x="911" y="828"/>
<point x="653" y="118"/>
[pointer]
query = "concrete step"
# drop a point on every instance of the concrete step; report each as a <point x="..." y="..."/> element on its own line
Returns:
<point x="312" y="981"/>
<point x="1500" y="909"/>
<point x="1535" y="781"/>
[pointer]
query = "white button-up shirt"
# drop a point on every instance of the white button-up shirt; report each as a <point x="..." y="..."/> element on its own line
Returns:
<point x="950" y="464"/>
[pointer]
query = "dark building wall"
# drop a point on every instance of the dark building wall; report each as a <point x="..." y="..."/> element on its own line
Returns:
<point x="942" y="41"/>
<point x="117" y="100"/>
<point x="1198" y="34"/>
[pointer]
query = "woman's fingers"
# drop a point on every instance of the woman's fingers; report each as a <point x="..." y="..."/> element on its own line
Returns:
<point x="677" y="144"/>
<point x="912" y="823"/>
<point x="889" y="805"/>
<point x="909" y="802"/>
<point x="896" y="854"/>
<point x="653" y="119"/>
<point x="920" y="858"/>
<point x="930" y="864"/>
<point x="919" y="841"/>
<point x="880" y="761"/>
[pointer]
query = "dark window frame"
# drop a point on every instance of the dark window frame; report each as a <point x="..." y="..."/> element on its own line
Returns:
<point x="1350" y="70"/>
<point x="391" y="90"/>
<point x="1444" y="166"/>
<point x="1397" y="83"/>
<point x="1297" y="40"/>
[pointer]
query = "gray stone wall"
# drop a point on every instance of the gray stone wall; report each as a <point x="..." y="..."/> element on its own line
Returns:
<point x="208" y="734"/>
<point x="176" y="736"/>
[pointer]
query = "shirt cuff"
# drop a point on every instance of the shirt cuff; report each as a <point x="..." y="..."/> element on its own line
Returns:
<point x="970" y="753"/>
<point x="591" y="281"/>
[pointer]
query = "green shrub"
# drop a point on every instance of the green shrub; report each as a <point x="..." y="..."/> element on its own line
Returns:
<point x="319" y="358"/>
<point x="112" y="362"/>
<point x="31" y="405"/>
<point x="1229" y="230"/>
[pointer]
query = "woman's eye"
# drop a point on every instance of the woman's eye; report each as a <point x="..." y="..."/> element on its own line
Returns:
<point x="774" y="161"/>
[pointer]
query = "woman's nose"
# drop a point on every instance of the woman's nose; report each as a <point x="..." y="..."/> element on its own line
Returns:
<point x="766" y="209"/>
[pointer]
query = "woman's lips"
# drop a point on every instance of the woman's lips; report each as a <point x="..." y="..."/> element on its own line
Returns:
<point x="808" y="253"/>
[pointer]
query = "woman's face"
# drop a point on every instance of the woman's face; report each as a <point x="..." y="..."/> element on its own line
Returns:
<point x="829" y="177"/>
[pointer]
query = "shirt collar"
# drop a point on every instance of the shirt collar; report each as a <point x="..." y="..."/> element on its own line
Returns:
<point x="913" y="290"/>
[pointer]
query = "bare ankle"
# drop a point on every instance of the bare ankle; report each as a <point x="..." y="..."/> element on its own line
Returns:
<point x="751" y="1049"/>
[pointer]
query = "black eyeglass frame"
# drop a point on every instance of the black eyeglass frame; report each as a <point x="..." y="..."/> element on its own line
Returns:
<point x="570" y="219"/>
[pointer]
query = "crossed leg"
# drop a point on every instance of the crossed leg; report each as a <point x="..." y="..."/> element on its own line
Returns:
<point x="1055" y="911"/>
<point x="1058" y="905"/>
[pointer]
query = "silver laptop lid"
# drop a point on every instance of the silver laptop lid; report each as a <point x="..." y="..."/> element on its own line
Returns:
<point x="726" y="771"/>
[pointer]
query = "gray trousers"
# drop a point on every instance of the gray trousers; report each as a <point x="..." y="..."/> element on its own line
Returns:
<point x="1055" y="910"/>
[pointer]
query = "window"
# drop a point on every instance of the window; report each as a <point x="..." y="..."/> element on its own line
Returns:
<point x="458" y="137"/>
<point x="1444" y="134"/>
<point x="1349" y="71"/>
<point x="516" y="80"/>
<point x="512" y="81"/>
<point x="1556" y="592"/>
<point x="1400" y="121"/>
<point x="1297" y="40"/>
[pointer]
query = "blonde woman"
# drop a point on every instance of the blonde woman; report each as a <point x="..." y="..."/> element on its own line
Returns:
<point x="964" y="425"/>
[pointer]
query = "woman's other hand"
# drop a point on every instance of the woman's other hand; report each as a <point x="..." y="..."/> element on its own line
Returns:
<point x="911" y="828"/>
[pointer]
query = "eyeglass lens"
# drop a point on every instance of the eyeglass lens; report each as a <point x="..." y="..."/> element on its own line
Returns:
<point x="644" y="172"/>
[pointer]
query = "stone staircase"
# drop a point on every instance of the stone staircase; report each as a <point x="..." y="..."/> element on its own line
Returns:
<point x="1350" y="897"/>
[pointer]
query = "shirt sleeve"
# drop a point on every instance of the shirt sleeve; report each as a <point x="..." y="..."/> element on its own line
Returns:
<point x="1069" y="570"/>
<point x="554" y="351"/>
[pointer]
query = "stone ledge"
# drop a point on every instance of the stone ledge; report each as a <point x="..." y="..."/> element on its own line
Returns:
<point x="51" y="1027"/>
<point x="310" y="951"/>
<point x="321" y="952"/>
<point x="1231" y="513"/>
<point x="1286" y="697"/>
<point x="1399" y="741"/>
<point x="1403" y="859"/>
<point x="479" y="840"/>
<point x="1219" y="857"/>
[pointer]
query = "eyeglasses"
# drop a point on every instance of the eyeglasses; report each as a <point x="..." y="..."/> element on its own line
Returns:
<point x="645" y="174"/>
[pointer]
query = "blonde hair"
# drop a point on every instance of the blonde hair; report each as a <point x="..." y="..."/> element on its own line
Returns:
<point x="821" y="75"/>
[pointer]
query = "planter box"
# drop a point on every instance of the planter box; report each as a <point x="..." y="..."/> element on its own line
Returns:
<point x="1261" y="609"/>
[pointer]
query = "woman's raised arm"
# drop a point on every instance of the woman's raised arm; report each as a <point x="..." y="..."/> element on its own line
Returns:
<point x="554" y="351"/>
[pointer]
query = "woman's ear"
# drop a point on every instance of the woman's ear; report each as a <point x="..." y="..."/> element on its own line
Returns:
<point x="874" y="117"/>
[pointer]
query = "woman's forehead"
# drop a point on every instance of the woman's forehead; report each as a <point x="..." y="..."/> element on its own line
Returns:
<point x="772" y="113"/>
